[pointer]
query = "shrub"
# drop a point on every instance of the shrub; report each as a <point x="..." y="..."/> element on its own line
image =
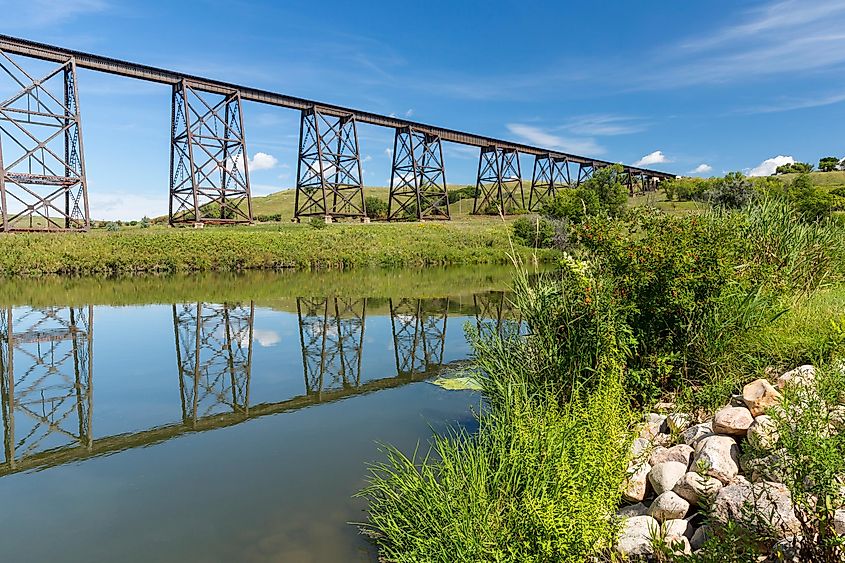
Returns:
<point x="688" y="189"/>
<point x="534" y="231"/>
<point x="112" y="227"/>
<point x="376" y="208"/>
<point x="612" y="194"/>
<point x="468" y="192"/>
<point x="574" y="205"/>
<point x="794" y="168"/>
<point x="732" y="192"/>
<point x="145" y="222"/>
<point x="317" y="223"/>
<point x="811" y="201"/>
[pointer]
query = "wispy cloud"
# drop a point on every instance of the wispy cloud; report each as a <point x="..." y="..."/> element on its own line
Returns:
<point x="656" y="157"/>
<point x="796" y="103"/>
<point x="605" y="125"/>
<point x="536" y="136"/>
<point x="46" y="13"/>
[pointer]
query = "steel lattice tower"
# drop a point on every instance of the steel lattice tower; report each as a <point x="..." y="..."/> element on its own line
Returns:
<point x="331" y="332"/>
<point x="329" y="177"/>
<point x="43" y="186"/>
<point x="418" y="180"/>
<point x="214" y="358"/>
<point x="550" y="174"/>
<point x="46" y="385"/>
<point x="419" y="334"/>
<point x="495" y="314"/>
<point x="499" y="184"/>
<point x="209" y="170"/>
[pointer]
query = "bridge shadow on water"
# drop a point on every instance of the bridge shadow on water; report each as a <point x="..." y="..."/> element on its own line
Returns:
<point x="47" y="365"/>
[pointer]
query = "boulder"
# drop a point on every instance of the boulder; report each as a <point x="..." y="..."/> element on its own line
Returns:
<point x="767" y="506"/>
<point x="732" y="421"/>
<point x="692" y="487"/>
<point x="696" y="432"/>
<point x="701" y="535"/>
<point x="635" y="537"/>
<point x="639" y="448"/>
<point x="837" y="419"/>
<point x="668" y="506"/>
<point x="766" y="468"/>
<point x="655" y="425"/>
<point x="664" y="476"/>
<point x="677" y="528"/>
<point x="632" y="510"/>
<point x="763" y="433"/>
<point x="681" y="453"/>
<point x="802" y="375"/>
<point x="717" y="456"/>
<point x="678" y="422"/>
<point x="635" y="488"/>
<point x="760" y="395"/>
<point x="839" y="522"/>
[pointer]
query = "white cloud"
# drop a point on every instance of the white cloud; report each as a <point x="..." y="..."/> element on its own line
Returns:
<point x="266" y="338"/>
<point x="409" y="113"/>
<point x="534" y="135"/>
<point x="768" y="166"/>
<point x="701" y="169"/>
<point x="656" y="157"/>
<point x="262" y="161"/>
<point x="388" y="152"/>
<point x="366" y="158"/>
<point x="604" y="125"/>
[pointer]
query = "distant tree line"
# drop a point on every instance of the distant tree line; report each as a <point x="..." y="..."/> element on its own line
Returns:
<point x="826" y="164"/>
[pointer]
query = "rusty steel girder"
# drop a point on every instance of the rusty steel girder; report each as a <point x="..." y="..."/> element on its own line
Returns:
<point x="329" y="177"/>
<point x="43" y="186"/>
<point x="418" y="178"/>
<point x="209" y="170"/>
<point x="499" y="185"/>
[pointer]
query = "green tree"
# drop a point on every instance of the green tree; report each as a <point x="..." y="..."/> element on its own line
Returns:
<point x="808" y="199"/>
<point x="828" y="164"/>
<point x="794" y="168"/>
<point x="606" y="184"/>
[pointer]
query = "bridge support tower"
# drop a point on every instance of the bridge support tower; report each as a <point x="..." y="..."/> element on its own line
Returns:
<point x="419" y="334"/>
<point x="499" y="185"/>
<point x="550" y="174"/>
<point x="418" y="180"/>
<point x="43" y="186"/>
<point x="328" y="176"/>
<point x="209" y="170"/>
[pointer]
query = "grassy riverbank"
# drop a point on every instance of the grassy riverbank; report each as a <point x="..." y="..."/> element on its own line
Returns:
<point x="159" y="249"/>
<point x="648" y="307"/>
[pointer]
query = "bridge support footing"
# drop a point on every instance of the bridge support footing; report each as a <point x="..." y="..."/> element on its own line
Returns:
<point x="499" y="184"/>
<point x="209" y="173"/>
<point x="418" y="179"/>
<point x="329" y="177"/>
<point x="43" y="186"/>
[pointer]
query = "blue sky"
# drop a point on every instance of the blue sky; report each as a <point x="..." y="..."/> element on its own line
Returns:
<point x="678" y="86"/>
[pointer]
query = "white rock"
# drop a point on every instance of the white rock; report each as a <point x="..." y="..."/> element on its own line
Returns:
<point x="802" y="375"/>
<point x="635" y="488"/>
<point x="760" y="395"/>
<point x="635" y="537"/>
<point x="664" y="476"/>
<point x="639" y="448"/>
<point x="678" y="422"/>
<point x="677" y="528"/>
<point x="839" y="522"/>
<point x="717" y="456"/>
<point x="766" y="505"/>
<point x="732" y="421"/>
<point x="696" y="432"/>
<point x="763" y="433"/>
<point x="655" y="425"/>
<point x="668" y="506"/>
<point x="692" y="487"/>
<point x="681" y="453"/>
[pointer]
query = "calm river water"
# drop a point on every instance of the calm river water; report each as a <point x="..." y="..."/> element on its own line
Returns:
<point x="221" y="417"/>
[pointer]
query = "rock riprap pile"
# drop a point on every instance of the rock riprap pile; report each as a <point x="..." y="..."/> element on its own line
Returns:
<point x="678" y="469"/>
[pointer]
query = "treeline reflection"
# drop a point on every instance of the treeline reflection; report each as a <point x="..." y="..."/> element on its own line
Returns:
<point x="47" y="374"/>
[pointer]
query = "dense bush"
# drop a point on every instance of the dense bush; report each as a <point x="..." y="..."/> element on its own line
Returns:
<point x="376" y="207"/>
<point x="534" y="231"/>
<point x="274" y="218"/>
<point x="468" y="192"/>
<point x="808" y="199"/>
<point x="732" y="192"/>
<point x="574" y="205"/>
<point x="794" y="168"/>
<point x="688" y="189"/>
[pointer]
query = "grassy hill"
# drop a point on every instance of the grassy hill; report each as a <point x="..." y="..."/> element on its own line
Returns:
<point x="825" y="179"/>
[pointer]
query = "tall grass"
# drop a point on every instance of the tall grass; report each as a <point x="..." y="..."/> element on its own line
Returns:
<point x="541" y="477"/>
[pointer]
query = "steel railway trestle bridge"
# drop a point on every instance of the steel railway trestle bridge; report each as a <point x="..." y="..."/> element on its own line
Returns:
<point x="43" y="184"/>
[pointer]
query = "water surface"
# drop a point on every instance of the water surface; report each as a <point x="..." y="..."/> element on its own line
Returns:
<point x="221" y="417"/>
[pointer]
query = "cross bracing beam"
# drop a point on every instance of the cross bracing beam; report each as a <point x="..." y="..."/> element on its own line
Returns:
<point x="418" y="179"/>
<point x="162" y="76"/>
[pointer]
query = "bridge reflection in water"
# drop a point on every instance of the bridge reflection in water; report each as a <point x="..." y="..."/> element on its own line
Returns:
<point x="46" y="367"/>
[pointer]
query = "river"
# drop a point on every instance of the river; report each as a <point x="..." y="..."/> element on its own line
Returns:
<point x="222" y="417"/>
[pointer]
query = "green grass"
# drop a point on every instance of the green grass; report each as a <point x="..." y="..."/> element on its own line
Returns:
<point x="258" y="247"/>
<point x="824" y="179"/>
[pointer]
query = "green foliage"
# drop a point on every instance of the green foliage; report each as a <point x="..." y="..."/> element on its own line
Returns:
<point x="794" y="168"/>
<point x="468" y="192"/>
<point x="534" y="231"/>
<point x="273" y="218"/>
<point x="612" y="194"/>
<point x="112" y="227"/>
<point x="829" y="164"/>
<point x="538" y="478"/>
<point x="811" y="201"/>
<point x="688" y="189"/>
<point x="145" y="222"/>
<point x="376" y="207"/>
<point x="574" y="204"/>
<point x="732" y="192"/>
